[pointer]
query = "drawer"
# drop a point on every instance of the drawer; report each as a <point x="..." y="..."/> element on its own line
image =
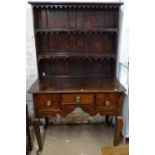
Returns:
<point x="84" y="101"/>
<point x="108" y="101"/>
<point x="47" y="102"/>
<point x="77" y="99"/>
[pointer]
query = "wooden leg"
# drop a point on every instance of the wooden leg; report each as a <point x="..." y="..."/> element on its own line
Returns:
<point x="46" y="122"/>
<point x="118" y="129"/>
<point x="29" y="142"/>
<point x="28" y="135"/>
<point x="37" y="132"/>
<point x="108" y="120"/>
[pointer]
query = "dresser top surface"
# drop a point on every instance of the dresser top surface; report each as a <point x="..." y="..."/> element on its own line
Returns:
<point x="76" y="85"/>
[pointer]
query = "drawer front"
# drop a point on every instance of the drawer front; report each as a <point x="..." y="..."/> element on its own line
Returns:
<point x="84" y="101"/>
<point x="47" y="102"/>
<point x="108" y="102"/>
<point x="77" y="99"/>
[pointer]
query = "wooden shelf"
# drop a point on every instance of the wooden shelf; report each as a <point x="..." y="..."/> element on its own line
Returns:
<point x="76" y="55"/>
<point x="76" y="5"/>
<point x="76" y="39"/>
<point x="76" y="31"/>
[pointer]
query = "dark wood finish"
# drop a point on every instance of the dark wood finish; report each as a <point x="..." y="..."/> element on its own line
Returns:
<point x="76" y="48"/>
<point x="46" y="122"/>
<point x="118" y="129"/>
<point x="79" y="84"/>
<point x="37" y="132"/>
<point x="84" y="101"/>
<point x="42" y="101"/>
<point x="108" y="120"/>
<point x="28" y="134"/>
<point x="78" y="99"/>
<point x="76" y="36"/>
<point x="46" y="104"/>
<point x="109" y="102"/>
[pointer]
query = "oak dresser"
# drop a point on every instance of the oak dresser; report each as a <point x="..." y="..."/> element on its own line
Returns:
<point x="76" y="49"/>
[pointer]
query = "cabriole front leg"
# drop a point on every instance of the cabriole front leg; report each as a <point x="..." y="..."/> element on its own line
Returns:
<point x="118" y="129"/>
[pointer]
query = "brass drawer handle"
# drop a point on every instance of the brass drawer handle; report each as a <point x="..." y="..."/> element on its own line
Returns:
<point x="49" y="103"/>
<point x="77" y="99"/>
<point x="107" y="103"/>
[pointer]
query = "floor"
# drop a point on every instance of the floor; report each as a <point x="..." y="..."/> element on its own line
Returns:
<point x="75" y="139"/>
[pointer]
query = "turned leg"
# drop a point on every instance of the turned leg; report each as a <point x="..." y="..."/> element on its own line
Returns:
<point x="37" y="132"/>
<point x="118" y="129"/>
<point x="46" y="122"/>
